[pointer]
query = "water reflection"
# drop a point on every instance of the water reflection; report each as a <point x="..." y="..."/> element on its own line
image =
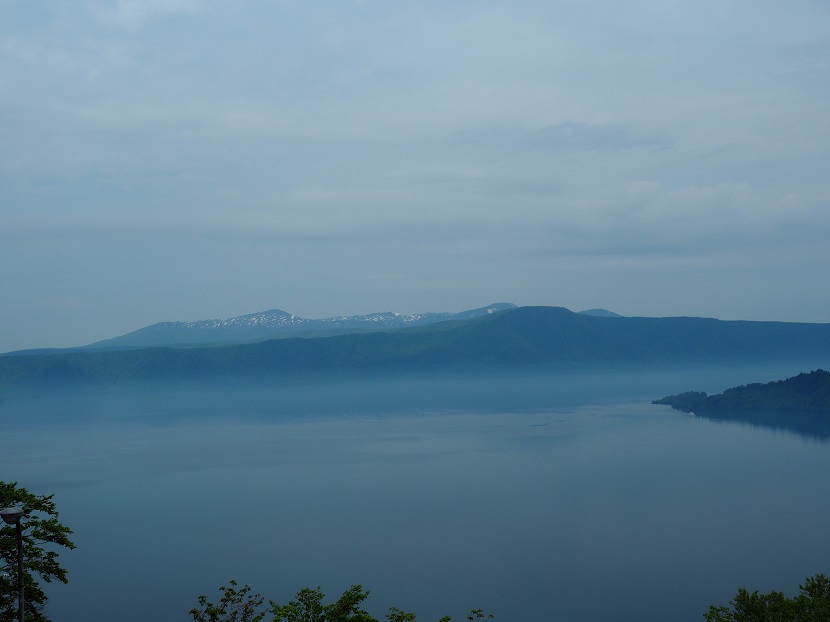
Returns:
<point x="582" y="501"/>
<point x="815" y="426"/>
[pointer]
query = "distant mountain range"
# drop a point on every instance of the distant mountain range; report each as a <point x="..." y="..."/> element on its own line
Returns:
<point x="507" y="340"/>
<point x="275" y="324"/>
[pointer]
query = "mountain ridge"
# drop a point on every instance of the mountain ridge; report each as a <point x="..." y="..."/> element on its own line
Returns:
<point x="275" y="324"/>
<point x="511" y="340"/>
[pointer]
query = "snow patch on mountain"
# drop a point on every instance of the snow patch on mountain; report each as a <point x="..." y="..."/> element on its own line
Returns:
<point x="277" y="323"/>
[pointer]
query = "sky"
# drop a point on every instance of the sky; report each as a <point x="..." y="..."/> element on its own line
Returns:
<point x="166" y="160"/>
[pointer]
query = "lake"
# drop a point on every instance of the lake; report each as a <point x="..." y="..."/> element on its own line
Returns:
<point x="546" y="497"/>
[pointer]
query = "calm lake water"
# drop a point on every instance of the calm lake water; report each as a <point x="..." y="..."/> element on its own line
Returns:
<point x="561" y="497"/>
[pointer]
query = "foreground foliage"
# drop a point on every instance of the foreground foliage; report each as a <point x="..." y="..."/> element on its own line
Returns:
<point x="811" y="605"/>
<point x="42" y="533"/>
<point x="241" y="605"/>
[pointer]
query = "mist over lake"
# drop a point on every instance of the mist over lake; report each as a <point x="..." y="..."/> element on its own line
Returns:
<point x="546" y="497"/>
<point x="307" y="294"/>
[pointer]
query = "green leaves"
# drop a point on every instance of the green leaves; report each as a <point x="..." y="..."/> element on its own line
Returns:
<point x="235" y="605"/>
<point x="40" y="527"/>
<point x="309" y="607"/>
<point x="239" y="605"/>
<point x="396" y="615"/>
<point x="811" y="605"/>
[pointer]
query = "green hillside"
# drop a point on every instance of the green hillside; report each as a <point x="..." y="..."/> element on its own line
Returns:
<point x="515" y="339"/>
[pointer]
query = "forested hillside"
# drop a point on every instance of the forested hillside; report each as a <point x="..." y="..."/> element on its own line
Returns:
<point x="806" y="392"/>
<point x="515" y="339"/>
<point x="800" y="404"/>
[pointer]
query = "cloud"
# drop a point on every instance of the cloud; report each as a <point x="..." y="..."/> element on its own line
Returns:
<point x="134" y="14"/>
<point x="647" y="219"/>
<point x="566" y="137"/>
<point x="494" y="144"/>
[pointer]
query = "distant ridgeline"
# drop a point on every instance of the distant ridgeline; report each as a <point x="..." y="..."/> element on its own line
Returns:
<point x="497" y="338"/>
<point x="801" y="403"/>
<point x="275" y="324"/>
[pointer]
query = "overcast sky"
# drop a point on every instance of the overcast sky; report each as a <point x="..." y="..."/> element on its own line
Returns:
<point x="187" y="159"/>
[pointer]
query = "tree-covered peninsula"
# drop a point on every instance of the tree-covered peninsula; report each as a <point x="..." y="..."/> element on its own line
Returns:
<point x="800" y="403"/>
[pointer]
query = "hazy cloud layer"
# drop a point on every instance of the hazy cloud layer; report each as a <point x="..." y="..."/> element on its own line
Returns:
<point x="185" y="159"/>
